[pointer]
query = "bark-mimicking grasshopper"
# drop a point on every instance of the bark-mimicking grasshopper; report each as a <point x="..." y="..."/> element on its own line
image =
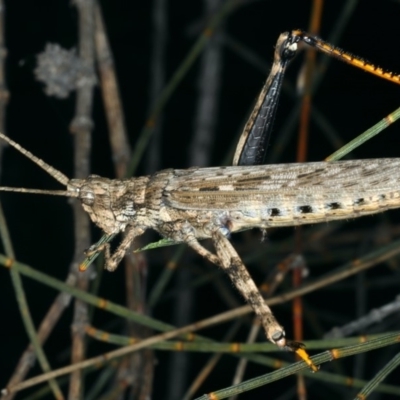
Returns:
<point x="199" y="203"/>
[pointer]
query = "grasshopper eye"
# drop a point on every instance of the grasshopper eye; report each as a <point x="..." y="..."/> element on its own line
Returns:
<point x="87" y="197"/>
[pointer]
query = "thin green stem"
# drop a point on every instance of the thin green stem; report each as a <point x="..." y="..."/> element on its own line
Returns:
<point x="379" y="377"/>
<point x="24" y="308"/>
<point x="365" y="136"/>
<point x="329" y="355"/>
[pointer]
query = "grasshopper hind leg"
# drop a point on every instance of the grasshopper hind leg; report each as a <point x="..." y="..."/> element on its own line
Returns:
<point x="229" y="260"/>
<point x="234" y="267"/>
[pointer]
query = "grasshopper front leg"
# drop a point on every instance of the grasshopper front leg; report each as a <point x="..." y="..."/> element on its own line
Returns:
<point x="112" y="260"/>
<point x="234" y="267"/>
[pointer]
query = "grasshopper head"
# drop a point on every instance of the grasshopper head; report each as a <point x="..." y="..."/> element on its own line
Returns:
<point x="108" y="202"/>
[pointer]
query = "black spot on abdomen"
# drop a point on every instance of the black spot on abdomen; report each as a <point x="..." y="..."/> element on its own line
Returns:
<point x="274" y="212"/>
<point x="305" y="209"/>
<point x="334" y="205"/>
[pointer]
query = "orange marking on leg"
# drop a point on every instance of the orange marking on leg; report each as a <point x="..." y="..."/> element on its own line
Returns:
<point x="306" y="358"/>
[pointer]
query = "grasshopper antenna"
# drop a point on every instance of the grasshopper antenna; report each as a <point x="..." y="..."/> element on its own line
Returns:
<point x="57" y="175"/>
<point x="64" y="193"/>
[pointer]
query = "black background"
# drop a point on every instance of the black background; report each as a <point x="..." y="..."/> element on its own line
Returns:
<point x="40" y="226"/>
